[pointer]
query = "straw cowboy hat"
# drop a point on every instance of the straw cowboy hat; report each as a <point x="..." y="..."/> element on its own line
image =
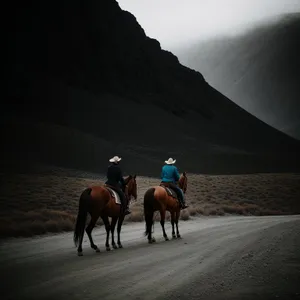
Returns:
<point x="170" y="161"/>
<point x="115" y="159"/>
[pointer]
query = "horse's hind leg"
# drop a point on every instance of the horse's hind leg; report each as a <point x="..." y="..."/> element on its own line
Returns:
<point x="112" y="226"/>
<point x="162" y="223"/>
<point x="89" y="229"/>
<point x="173" y="223"/>
<point x="107" y="227"/>
<point x="176" y="222"/>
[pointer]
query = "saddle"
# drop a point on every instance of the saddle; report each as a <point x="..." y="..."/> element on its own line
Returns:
<point x="169" y="190"/>
<point x="114" y="194"/>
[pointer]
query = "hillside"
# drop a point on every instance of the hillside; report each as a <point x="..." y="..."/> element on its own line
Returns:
<point x="259" y="70"/>
<point x="45" y="200"/>
<point x="86" y="83"/>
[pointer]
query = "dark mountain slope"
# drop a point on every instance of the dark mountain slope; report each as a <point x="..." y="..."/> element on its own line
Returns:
<point x="259" y="70"/>
<point x="86" y="83"/>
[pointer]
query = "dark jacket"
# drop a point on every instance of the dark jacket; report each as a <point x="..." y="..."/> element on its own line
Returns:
<point x="114" y="176"/>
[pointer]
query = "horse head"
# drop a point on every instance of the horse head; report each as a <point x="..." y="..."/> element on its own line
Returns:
<point x="182" y="182"/>
<point x="131" y="186"/>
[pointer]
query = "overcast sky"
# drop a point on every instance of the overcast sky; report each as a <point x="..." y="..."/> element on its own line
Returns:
<point x="174" y="22"/>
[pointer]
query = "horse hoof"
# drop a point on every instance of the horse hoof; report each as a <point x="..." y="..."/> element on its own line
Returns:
<point x="179" y="236"/>
<point x="115" y="247"/>
<point x="166" y="238"/>
<point x="97" y="250"/>
<point x="174" y="237"/>
<point x="79" y="253"/>
<point x="107" y="248"/>
<point x="153" y="240"/>
<point x="120" y="246"/>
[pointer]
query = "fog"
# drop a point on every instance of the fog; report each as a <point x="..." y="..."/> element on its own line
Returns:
<point x="177" y="22"/>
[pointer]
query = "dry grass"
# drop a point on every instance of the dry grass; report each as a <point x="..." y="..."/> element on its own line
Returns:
<point x="34" y="204"/>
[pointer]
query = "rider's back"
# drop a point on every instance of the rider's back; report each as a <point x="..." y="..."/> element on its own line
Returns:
<point x="114" y="175"/>
<point x="169" y="173"/>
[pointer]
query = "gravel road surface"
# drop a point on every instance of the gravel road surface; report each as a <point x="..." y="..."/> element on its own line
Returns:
<point x="217" y="258"/>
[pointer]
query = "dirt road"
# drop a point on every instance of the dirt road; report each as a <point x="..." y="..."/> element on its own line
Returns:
<point x="217" y="258"/>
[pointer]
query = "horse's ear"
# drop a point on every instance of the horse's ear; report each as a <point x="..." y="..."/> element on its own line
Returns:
<point x="184" y="174"/>
<point x="134" y="176"/>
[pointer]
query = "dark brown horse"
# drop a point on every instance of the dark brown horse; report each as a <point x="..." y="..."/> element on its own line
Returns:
<point x="99" y="202"/>
<point x="158" y="199"/>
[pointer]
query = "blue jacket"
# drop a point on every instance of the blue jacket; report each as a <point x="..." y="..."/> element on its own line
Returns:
<point x="169" y="173"/>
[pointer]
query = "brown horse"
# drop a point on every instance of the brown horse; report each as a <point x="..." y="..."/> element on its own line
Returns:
<point x="158" y="199"/>
<point x="99" y="202"/>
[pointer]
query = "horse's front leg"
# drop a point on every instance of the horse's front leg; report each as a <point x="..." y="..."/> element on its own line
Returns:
<point x="120" y="222"/>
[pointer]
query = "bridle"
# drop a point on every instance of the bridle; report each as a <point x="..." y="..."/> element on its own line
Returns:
<point x="127" y="187"/>
<point x="182" y="183"/>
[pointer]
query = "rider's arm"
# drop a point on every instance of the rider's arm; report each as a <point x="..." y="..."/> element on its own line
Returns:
<point x="176" y="174"/>
<point x="122" y="179"/>
<point x="162" y="174"/>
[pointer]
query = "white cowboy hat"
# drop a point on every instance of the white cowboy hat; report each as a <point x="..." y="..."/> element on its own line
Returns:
<point x="115" y="159"/>
<point x="170" y="161"/>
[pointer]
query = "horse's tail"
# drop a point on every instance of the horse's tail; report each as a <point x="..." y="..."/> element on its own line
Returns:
<point x="148" y="209"/>
<point x="82" y="215"/>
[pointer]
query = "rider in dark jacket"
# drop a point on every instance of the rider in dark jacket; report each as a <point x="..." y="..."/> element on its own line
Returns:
<point x="115" y="178"/>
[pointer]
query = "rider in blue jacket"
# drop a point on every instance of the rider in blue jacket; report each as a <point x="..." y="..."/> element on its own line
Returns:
<point x="170" y="175"/>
